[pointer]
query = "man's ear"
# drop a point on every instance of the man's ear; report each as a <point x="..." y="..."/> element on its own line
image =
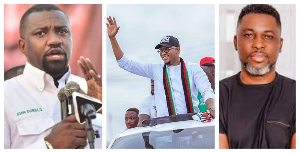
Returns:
<point x="21" y="45"/>
<point x="178" y="50"/>
<point x="281" y="43"/>
<point x="235" y="42"/>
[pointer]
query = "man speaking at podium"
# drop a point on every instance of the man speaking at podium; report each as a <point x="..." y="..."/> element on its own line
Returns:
<point x="32" y="117"/>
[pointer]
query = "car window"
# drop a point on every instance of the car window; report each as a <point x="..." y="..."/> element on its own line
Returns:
<point x="190" y="138"/>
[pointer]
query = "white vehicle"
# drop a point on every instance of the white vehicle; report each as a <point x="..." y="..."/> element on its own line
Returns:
<point x="171" y="132"/>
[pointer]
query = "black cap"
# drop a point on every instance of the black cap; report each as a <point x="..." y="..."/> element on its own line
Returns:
<point x="168" y="41"/>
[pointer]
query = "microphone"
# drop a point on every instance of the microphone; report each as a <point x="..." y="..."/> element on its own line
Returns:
<point x="63" y="103"/>
<point x="69" y="89"/>
<point x="88" y="111"/>
<point x="86" y="107"/>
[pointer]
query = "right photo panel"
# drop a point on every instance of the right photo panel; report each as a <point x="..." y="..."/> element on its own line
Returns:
<point x="257" y="72"/>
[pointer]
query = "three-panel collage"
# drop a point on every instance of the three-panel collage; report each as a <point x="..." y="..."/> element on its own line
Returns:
<point x="149" y="76"/>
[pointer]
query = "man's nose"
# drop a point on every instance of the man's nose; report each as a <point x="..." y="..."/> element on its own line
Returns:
<point x="163" y="52"/>
<point x="54" y="39"/>
<point x="258" y="43"/>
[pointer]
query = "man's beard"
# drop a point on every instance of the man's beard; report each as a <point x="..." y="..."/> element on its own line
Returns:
<point x="55" y="68"/>
<point x="258" y="72"/>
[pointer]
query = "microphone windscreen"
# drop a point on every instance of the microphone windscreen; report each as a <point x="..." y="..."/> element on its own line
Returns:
<point x="61" y="95"/>
<point x="71" y="87"/>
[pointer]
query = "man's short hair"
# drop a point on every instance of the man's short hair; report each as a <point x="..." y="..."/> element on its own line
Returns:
<point x="134" y="109"/>
<point x="37" y="8"/>
<point x="209" y="65"/>
<point x="13" y="72"/>
<point x="260" y="9"/>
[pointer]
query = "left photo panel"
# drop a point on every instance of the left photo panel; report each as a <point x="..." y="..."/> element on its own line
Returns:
<point x="52" y="76"/>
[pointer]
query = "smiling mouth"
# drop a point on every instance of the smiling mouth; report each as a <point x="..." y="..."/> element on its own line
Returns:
<point x="164" y="57"/>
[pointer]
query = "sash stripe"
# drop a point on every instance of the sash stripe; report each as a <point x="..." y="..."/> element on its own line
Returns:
<point x="168" y="92"/>
<point x="171" y="96"/>
<point x="189" y="93"/>
<point x="186" y="88"/>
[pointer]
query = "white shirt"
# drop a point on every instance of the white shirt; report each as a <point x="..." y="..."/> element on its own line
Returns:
<point x="197" y="78"/>
<point x="148" y="107"/>
<point x="31" y="107"/>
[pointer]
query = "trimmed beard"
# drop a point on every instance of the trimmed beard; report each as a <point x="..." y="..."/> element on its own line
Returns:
<point x="55" y="68"/>
<point x="258" y="72"/>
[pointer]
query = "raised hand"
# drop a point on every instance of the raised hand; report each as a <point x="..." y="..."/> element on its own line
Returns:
<point x="112" y="27"/>
<point x="67" y="134"/>
<point x="92" y="78"/>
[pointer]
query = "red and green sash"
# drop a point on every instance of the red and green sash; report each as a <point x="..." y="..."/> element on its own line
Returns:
<point x="186" y="89"/>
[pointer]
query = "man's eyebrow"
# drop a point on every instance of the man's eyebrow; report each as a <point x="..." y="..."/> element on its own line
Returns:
<point x="251" y="30"/>
<point x="46" y="27"/>
<point x="61" y="27"/>
<point x="41" y="28"/>
<point x="248" y="29"/>
<point x="269" y="31"/>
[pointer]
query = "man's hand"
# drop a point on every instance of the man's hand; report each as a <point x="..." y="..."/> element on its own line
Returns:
<point x="142" y="117"/>
<point x="112" y="27"/>
<point x="212" y="113"/>
<point x="67" y="134"/>
<point x="211" y="104"/>
<point x="92" y="78"/>
<point x="112" y="30"/>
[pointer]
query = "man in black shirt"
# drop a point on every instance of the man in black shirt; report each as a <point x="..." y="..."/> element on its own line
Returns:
<point x="258" y="105"/>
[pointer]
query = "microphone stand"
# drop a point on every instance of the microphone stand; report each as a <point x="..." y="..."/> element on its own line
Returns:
<point x="91" y="134"/>
<point x="90" y="113"/>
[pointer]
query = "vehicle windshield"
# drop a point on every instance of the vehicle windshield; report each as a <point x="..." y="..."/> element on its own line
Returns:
<point x="191" y="138"/>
